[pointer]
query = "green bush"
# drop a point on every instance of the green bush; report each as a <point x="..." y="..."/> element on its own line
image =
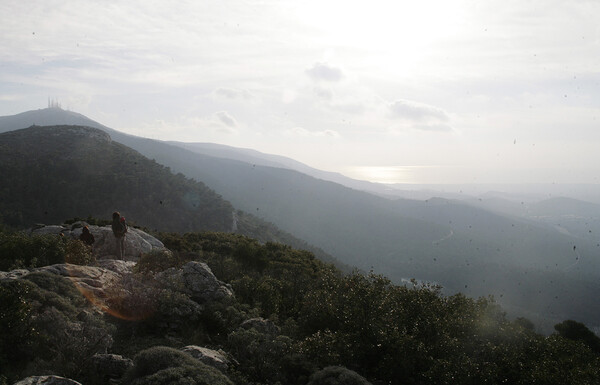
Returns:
<point x="577" y="331"/>
<point x="159" y="260"/>
<point x="133" y="298"/>
<point x="17" y="333"/>
<point x="161" y="365"/>
<point x="337" y="375"/>
<point x="52" y="290"/>
<point x="267" y="359"/>
<point x="18" y="250"/>
<point x="47" y="327"/>
<point x="78" y="253"/>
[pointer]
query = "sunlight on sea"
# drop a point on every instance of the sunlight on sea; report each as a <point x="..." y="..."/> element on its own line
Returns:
<point x="385" y="174"/>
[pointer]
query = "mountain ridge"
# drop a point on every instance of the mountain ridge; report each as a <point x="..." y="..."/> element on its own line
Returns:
<point x="404" y="238"/>
<point x="59" y="172"/>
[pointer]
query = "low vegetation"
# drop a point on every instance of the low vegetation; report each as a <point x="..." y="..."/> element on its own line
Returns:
<point x="334" y="328"/>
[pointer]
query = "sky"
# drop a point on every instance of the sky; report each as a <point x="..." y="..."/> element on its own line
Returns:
<point x="389" y="91"/>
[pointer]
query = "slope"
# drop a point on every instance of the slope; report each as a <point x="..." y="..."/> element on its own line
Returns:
<point x="463" y="248"/>
<point x="52" y="173"/>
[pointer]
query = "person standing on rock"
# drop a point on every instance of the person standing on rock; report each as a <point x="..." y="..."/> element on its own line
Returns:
<point x="119" y="228"/>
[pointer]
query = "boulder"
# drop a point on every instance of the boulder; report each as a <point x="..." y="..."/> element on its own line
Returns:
<point x="196" y="280"/>
<point x="214" y="358"/>
<point x="137" y="241"/>
<point x="117" y="266"/>
<point x="13" y="274"/>
<point x="47" y="380"/>
<point x="50" y="229"/>
<point x="91" y="281"/>
<point x="261" y="325"/>
<point x="109" y="366"/>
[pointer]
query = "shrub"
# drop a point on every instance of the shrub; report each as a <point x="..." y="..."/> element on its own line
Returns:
<point x="163" y="365"/>
<point x="78" y="253"/>
<point x="18" y="250"/>
<point x="267" y="359"/>
<point x="132" y="298"/>
<point x="52" y="290"/>
<point x="577" y="331"/>
<point x="337" y="375"/>
<point x="17" y="333"/>
<point x="158" y="260"/>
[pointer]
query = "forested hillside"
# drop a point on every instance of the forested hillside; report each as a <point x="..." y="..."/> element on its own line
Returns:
<point x="291" y="320"/>
<point x="53" y="173"/>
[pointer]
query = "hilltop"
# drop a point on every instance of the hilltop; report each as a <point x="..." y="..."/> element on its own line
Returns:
<point x="57" y="172"/>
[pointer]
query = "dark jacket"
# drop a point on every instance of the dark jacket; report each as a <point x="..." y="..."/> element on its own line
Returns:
<point x="87" y="238"/>
<point x="119" y="227"/>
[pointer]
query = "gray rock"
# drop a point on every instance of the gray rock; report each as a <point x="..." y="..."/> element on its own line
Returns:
<point x="261" y="325"/>
<point x="137" y="241"/>
<point x="92" y="281"/>
<point x="47" y="380"/>
<point x="50" y="229"/>
<point x="118" y="266"/>
<point x="14" y="274"/>
<point x="109" y="365"/>
<point x="214" y="358"/>
<point x="197" y="280"/>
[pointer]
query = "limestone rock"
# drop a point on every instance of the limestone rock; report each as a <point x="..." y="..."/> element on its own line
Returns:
<point x="137" y="241"/>
<point x="214" y="358"/>
<point x="92" y="281"/>
<point x="109" y="365"/>
<point x="261" y="325"/>
<point x="14" y="274"/>
<point x="47" y="380"/>
<point x="117" y="266"/>
<point x="197" y="280"/>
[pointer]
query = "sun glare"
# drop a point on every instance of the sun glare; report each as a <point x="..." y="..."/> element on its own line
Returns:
<point x="401" y="26"/>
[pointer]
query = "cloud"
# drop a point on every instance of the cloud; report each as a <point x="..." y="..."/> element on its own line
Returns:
<point x="299" y="131"/>
<point x="409" y="110"/>
<point x="323" y="93"/>
<point x="420" y="116"/>
<point x="233" y="93"/>
<point x="434" y="127"/>
<point x="226" y="119"/>
<point x="350" y="107"/>
<point x="322" y="71"/>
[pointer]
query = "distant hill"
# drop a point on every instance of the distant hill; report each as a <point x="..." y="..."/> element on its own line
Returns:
<point x="53" y="173"/>
<point x="257" y="158"/>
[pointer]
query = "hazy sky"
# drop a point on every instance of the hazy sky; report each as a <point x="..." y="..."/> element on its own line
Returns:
<point x="396" y="91"/>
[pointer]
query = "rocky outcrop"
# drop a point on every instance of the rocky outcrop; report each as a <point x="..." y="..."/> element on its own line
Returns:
<point x="261" y="325"/>
<point x="90" y="280"/>
<point x="47" y="380"/>
<point x="196" y="280"/>
<point x="109" y="366"/>
<point x="214" y="358"/>
<point x="137" y="242"/>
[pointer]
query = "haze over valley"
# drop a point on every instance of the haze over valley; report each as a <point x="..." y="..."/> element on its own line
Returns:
<point x="537" y="255"/>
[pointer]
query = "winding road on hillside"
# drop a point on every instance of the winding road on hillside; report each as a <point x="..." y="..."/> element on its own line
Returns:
<point x="446" y="237"/>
